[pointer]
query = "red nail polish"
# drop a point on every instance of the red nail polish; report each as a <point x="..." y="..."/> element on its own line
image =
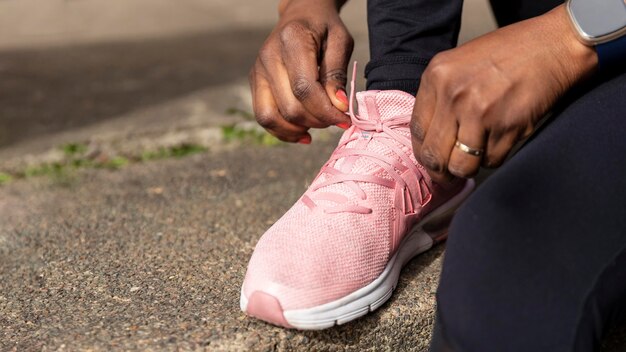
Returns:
<point x="305" y="140"/>
<point x="341" y="95"/>
<point x="343" y="125"/>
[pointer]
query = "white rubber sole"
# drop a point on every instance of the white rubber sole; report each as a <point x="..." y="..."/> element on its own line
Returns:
<point x="372" y="296"/>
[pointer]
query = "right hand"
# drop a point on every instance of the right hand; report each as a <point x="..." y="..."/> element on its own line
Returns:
<point x="298" y="80"/>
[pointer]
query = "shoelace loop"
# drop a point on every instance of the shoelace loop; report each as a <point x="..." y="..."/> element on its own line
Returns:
<point x="383" y="132"/>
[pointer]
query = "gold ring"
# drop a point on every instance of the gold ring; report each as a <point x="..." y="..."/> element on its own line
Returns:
<point x="469" y="150"/>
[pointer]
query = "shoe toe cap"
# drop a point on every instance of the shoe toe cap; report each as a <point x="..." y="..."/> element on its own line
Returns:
<point x="266" y="307"/>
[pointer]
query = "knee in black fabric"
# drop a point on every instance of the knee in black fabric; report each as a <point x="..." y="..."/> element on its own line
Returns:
<point x="489" y="298"/>
<point x="461" y="297"/>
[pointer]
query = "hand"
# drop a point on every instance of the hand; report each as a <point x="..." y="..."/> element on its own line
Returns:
<point x="299" y="78"/>
<point x="490" y="93"/>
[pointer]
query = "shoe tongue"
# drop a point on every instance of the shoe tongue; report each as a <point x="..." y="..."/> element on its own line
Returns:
<point x="377" y="105"/>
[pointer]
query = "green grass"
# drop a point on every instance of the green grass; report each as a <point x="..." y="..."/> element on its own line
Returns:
<point x="75" y="158"/>
<point x="73" y="148"/>
<point x="173" y="152"/>
<point x="115" y="163"/>
<point x="235" y="133"/>
<point x="60" y="173"/>
<point x="44" y="169"/>
<point x="5" y="178"/>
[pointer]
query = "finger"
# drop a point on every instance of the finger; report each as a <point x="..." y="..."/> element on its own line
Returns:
<point x="463" y="164"/>
<point x="498" y="148"/>
<point x="271" y="64"/>
<point x="299" y="52"/>
<point x="422" y="115"/>
<point x="268" y="116"/>
<point x="334" y="65"/>
<point x="292" y="110"/>
<point x="438" y="144"/>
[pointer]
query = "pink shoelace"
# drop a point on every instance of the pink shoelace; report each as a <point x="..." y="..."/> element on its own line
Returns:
<point x="384" y="133"/>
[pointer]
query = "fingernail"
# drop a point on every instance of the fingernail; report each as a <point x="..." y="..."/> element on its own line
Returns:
<point x="343" y="125"/>
<point x="305" y="140"/>
<point x="341" y="95"/>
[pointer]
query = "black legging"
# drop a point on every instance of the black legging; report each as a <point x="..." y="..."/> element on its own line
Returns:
<point x="536" y="258"/>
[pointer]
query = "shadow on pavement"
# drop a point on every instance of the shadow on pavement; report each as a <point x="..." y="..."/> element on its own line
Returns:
<point x="51" y="90"/>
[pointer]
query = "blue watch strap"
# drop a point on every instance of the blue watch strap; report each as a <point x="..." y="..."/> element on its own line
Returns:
<point x="612" y="55"/>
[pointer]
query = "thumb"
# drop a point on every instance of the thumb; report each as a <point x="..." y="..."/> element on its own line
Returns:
<point x="333" y="67"/>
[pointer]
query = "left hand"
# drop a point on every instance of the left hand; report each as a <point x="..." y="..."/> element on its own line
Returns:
<point x="490" y="92"/>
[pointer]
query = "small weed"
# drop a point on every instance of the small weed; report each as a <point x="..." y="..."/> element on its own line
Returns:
<point x="176" y="152"/>
<point x="115" y="163"/>
<point x="187" y="149"/>
<point x="234" y="133"/>
<point x="81" y="163"/>
<point x="5" y="178"/>
<point x="71" y="149"/>
<point x="154" y="155"/>
<point x="60" y="173"/>
<point x="53" y="169"/>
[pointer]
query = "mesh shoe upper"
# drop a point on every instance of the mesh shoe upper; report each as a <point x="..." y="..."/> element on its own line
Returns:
<point x="341" y="233"/>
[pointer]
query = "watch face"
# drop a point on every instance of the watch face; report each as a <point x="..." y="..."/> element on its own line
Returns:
<point x="598" y="21"/>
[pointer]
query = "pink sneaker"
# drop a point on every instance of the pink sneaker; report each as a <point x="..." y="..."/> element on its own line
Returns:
<point x="337" y="253"/>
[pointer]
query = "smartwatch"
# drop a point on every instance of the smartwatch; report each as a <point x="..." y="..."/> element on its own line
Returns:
<point x="601" y="23"/>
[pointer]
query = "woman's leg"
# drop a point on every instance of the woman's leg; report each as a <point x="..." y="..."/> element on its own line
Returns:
<point x="404" y="36"/>
<point x="536" y="258"/>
